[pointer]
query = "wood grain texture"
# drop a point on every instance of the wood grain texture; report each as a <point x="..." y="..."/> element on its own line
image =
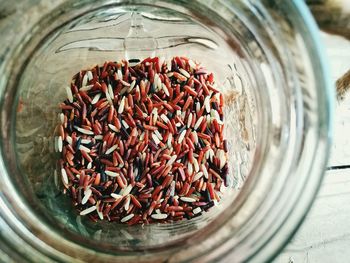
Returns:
<point x="325" y="233"/>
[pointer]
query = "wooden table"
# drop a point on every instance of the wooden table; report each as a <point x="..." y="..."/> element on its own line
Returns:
<point x="325" y="234"/>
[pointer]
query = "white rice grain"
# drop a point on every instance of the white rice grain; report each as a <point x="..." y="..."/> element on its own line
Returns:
<point x="119" y="74"/>
<point x="197" y="210"/>
<point x="205" y="171"/>
<point x="89" y="75"/>
<point x="155" y="82"/>
<point x="61" y="118"/>
<point x="188" y="199"/>
<point x="158" y="135"/>
<point x="172" y="188"/>
<point x="84" y="131"/>
<point x="121" y="106"/>
<point x="184" y="72"/>
<point x="112" y="149"/>
<point x="182" y="136"/>
<point x="195" y="165"/>
<point x="207" y="103"/>
<point x="171" y="160"/>
<point x="127" y="203"/>
<point x="216" y="115"/>
<point x="159" y="216"/>
<point x="86" y="197"/>
<point x="88" y="210"/>
<point x="155" y="115"/>
<point x="189" y="120"/>
<point x="96" y="98"/>
<point x="159" y="84"/>
<point x="64" y="176"/>
<point x="195" y="137"/>
<point x="198" y="123"/>
<point x="132" y="85"/>
<point x="207" y="155"/>
<point x="116" y="196"/>
<point x="85" y="80"/>
<point x="211" y="154"/>
<point x="165" y="89"/>
<point x="125" y="124"/>
<point x="142" y="136"/>
<point x="208" y="119"/>
<point x="85" y="141"/>
<point x="69" y="139"/>
<point x="86" y="88"/>
<point x="83" y="148"/>
<point x="100" y="214"/>
<point x="112" y="127"/>
<point x="126" y="218"/>
<point x="197" y="176"/>
<point x="189" y="168"/>
<point x="222" y="158"/>
<point x="127" y="190"/>
<point x="108" y="97"/>
<point x="198" y="106"/>
<point x="110" y="91"/>
<point x="155" y="138"/>
<point x="111" y="174"/>
<point x="125" y="84"/>
<point x="170" y="139"/>
<point x="59" y="144"/>
<point x="69" y="94"/>
<point x="164" y="118"/>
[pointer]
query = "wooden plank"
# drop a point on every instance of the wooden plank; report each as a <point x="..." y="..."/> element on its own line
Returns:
<point x="325" y="233"/>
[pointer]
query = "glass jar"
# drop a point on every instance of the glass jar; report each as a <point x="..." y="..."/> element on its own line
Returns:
<point x="269" y="64"/>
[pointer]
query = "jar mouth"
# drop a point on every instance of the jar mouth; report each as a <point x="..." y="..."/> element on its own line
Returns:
<point x="275" y="114"/>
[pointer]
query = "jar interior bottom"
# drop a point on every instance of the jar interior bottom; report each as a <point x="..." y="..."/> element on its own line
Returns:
<point x="104" y="34"/>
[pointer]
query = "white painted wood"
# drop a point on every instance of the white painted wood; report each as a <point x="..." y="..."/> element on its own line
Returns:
<point x="325" y="233"/>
